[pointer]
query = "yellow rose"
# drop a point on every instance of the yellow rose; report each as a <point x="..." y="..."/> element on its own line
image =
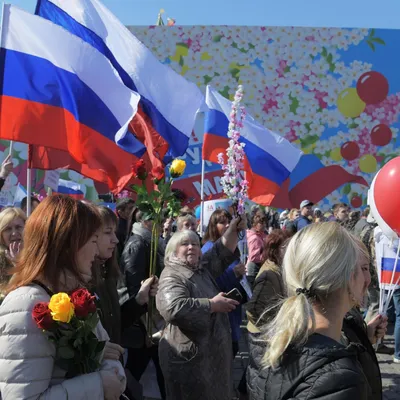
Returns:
<point x="177" y="168"/>
<point x="61" y="307"/>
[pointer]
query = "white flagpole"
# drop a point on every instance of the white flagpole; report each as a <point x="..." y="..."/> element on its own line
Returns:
<point x="203" y="163"/>
<point x="11" y="148"/>
<point x="28" y="191"/>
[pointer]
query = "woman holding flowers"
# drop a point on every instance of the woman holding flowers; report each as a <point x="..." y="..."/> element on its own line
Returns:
<point x="60" y="245"/>
<point x="196" y="348"/>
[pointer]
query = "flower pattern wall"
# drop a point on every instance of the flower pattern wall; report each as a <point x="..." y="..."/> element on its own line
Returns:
<point x="333" y="92"/>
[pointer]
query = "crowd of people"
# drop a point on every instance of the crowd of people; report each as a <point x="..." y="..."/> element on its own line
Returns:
<point x="312" y="313"/>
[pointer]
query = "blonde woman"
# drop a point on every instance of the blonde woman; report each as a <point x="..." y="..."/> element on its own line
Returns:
<point x="305" y="359"/>
<point x="12" y="223"/>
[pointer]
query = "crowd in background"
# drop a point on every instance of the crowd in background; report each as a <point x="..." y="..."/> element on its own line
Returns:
<point x="312" y="277"/>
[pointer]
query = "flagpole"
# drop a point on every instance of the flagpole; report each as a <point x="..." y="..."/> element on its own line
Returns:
<point x="29" y="183"/>
<point x="11" y="147"/>
<point x="203" y="163"/>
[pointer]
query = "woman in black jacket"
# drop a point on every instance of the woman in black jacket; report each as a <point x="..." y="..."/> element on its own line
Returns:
<point x="304" y="358"/>
<point x="117" y="312"/>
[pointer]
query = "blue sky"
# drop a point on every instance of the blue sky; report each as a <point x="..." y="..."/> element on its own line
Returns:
<point x="339" y="13"/>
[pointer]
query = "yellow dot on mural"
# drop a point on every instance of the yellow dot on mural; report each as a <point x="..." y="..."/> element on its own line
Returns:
<point x="349" y="103"/>
<point x="336" y="155"/>
<point x="368" y="163"/>
<point x="205" y="56"/>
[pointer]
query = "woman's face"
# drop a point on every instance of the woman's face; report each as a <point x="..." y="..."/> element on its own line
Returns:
<point x="107" y="241"/>
<point x="361" y="279"/>
<point x="222" y="225"/>
<point x="189" y="251"/>
<point x="189" y="226"/>
<point x="13" y="231"/>
<point x="259" y="222"/>
<point x="86" y="255"/>
<point x="296" y="214"/>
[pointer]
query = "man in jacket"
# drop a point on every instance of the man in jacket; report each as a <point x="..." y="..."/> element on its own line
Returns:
<point x="306" y="211"/>
<point x="124" y="211"/>
<point x="135" y="265"/>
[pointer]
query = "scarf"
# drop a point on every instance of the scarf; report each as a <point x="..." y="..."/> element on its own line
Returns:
<point x="177" y="263"/>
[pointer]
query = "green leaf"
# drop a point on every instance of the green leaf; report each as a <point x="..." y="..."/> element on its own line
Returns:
<point x="372" y="32"/>
<point x="66" y="352"/>
<point x="235" y="72"/>
<point x="251" y="46"/>
<point x="346" y="189"/>
<point x="287" y="69"/>
<point x="309" y="140"/>
<point x="353" y="125"/>
<point x="217" y="38"/>
<point x="63" y="341"/>
<point x="181" y="61"/>
<point x="324" y="52"/>
<point x="294" y="105"/>
<point x="378" y="40"/>
<point x="181" y="44"/>
<point x="371" y="45"/>
<point x="329" y="58"/>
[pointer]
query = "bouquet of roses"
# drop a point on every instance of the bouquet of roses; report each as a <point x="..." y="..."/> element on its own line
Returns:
<point x="70" y="321"/>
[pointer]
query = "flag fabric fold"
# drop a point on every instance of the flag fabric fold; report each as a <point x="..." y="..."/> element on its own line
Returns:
<point x="66" y="97"/>
<point x="168" y="103"/>
<point x="269" y="158"/>
<point x="313" y="181"/>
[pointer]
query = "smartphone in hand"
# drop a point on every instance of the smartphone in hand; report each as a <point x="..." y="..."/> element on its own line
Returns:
<point x="234" y="294"/>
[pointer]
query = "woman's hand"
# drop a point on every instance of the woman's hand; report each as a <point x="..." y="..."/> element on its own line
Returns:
<point x="149" y="288"/>
<point x="376" y="328"/>
<point x="220" y="303"/>
<point x="113" y="351"/>
<point x="6" y="167"/>
<point x="239" y="270"/>
<point x="13" y="251"/>
<point x="112" y="386"/>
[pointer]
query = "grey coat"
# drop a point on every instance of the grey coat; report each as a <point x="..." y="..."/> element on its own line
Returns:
<point x="195" y="350"/>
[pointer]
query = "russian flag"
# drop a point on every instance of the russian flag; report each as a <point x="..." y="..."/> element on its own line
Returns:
<point x="313" y="181"/>
<point x="270" y="158"/>
<point x="59" y="92"/>
<point x="71" y="189"/>
<point x="168" y="104"/>
<point x="387" y="267"/>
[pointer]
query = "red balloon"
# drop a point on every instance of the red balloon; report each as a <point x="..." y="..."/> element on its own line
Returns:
<point x="387" y="187"/>
<point x="372" y="87"/>
<point x="356" y="201"/>
<point x="350" y="151"/>
<point x="381" y="135"/>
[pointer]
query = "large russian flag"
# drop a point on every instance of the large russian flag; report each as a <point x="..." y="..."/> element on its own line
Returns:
<point x="168" y="104"/>
<point x="57" y="91"/>
<point x="270" y="158"/>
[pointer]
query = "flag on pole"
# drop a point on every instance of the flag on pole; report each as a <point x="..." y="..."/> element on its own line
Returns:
<point x="269" y="157"/>
<point x="67" y="97"/>
<point x="71" y="91"/>
<point x="168" y="103"/>
<point x="20" y="194"/>
<point x="71" y="189"/>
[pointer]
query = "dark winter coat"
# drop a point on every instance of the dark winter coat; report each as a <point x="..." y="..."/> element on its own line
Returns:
<point x="355" y="331"/>
<point x="321" y="369"/>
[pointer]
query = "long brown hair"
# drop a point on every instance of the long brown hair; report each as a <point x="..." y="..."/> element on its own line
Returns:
<point x="273" y="244"/>
<point x="217" y="216"/>
<point x="111" y="265"/>
<point x="53" y="235"/>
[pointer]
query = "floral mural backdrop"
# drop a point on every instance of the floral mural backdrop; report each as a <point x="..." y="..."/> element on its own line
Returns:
<point x="334" y="93"/>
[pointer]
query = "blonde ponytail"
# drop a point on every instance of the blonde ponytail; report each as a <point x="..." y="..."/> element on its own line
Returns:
<point x="319" y="260"/>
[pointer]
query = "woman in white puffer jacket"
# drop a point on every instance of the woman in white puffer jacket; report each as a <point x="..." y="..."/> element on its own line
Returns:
<point x="60" y="244"/>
